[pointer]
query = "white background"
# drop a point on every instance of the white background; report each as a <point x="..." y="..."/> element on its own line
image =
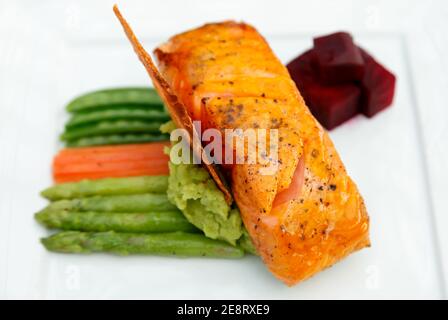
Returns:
<point x="53" y="50"/>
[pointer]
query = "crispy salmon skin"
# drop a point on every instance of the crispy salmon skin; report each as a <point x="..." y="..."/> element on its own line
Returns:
<point x="308" y="214"/>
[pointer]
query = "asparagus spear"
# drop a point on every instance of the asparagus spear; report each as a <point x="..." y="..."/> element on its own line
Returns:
<point x="95" y="100"/>
<point x="176" y="243"/>
<point x="111" y="127"/>
<point x="107" y="187"/>
<point x="168" y="221"/>
<point x="117" y="139"/>
<point x="119" y="203"/>
<point x="117" y="114"/>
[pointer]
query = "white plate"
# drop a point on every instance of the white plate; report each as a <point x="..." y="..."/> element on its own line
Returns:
<point x="382" y="154"/>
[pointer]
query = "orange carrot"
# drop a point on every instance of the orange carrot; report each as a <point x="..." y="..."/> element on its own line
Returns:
<point x="64" y="160"/>
<point x="154" y="171"/>
<point x="110" y="161"/>
<point x="124" y="152"/>
<point x="105" y="166"/>
<point x="113" y="148"/>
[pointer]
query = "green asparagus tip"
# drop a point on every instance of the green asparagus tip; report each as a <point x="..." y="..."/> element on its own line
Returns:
<point x="65" y="242"/>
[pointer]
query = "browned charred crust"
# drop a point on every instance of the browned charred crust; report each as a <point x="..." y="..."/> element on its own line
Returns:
<point x="176" y="109"/>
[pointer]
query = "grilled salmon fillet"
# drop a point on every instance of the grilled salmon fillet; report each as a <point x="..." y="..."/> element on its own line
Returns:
<point x="306" y="215"/>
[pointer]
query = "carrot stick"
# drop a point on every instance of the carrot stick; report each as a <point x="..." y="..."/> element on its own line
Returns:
<point x="121" y="157"/>
<point x="145" y="147"/>
<point x="110" y="161"/>
<point x="114" y="148"/>
<point x="154" y="171"/>
<point x="104" y="166"/>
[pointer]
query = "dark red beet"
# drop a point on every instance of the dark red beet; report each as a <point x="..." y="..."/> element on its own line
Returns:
<point x="378" y="86"/>
<point x="338" y="59"/>
<point x="331" y="105"/>
<point x="302" y="68"/>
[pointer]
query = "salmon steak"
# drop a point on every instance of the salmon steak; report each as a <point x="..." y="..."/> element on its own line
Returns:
<point x="307" y="214"/>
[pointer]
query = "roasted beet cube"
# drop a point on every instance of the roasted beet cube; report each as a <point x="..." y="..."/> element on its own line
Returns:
<point x="302" y="67"/>
<point x="331" y="105"/>
<point x="378" y="86"/>
<point x="337" y="79"/>
<point x="338" y="59"/>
